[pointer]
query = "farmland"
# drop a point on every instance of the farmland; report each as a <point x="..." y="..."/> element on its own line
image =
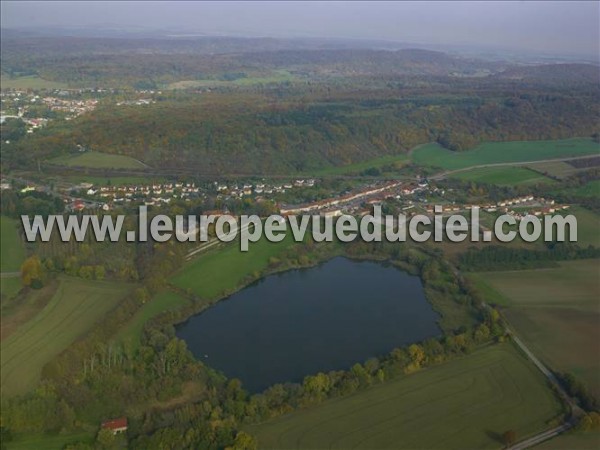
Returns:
<point x="503" y="176"/>
<point x="435" y="155"/>
<point x="98" y="160"/>
<point x="556" y="312"/>
<point x="74" y="308"/>
<point x="12" y="250"/>
<point x="556" y="169"/>
<point x="465" y="403"/>
<point x="220" y="271"/>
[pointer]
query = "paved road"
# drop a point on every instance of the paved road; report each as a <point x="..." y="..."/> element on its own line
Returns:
<point x="445" y="174"/>
<point x="539" y="438"/>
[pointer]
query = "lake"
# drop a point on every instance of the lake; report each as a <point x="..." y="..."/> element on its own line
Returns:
<point x="300" y="322"/>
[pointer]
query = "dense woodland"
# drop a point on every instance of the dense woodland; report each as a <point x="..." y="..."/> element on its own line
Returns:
<point x="333" y="105"/>
<point x="260" y="133"/>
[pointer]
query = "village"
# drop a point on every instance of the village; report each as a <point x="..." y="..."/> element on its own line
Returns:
<point x="408" y="197"/>
<point x="37" y="107"/>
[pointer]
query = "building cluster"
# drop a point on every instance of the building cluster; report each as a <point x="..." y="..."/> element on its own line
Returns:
<point x="149" y="195"/>
<point x="259" y="188"/>
<point x="20" y="104"/>
<point x="70" y="107"/>
<point x="138" y="102"/>
<point x="353" y="202"/>
<point x="519" y="207"/>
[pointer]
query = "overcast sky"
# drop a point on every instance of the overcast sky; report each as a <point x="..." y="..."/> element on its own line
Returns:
<point x="553" y="27"/>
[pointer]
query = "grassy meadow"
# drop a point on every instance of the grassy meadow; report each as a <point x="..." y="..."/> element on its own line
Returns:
<point x="435" y="155"/>
<point x="98" y="160"/>
<point x="465" y="403"/>
<point x="276" y="76"/>
<point x="556" y="311"/>
<point x="215" y="273"/>
<point x="12" y="250"/>
<point x="76" y="305"/>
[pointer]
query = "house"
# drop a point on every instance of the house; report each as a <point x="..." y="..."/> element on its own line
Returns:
<point x="331" y="213"/>
<point x="77" y="205"/>
<point x="116" y="425"/>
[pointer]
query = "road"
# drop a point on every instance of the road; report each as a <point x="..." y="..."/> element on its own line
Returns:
<point x="539" y="438"/>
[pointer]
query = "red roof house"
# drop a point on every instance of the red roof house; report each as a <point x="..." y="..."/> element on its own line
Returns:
<point x="116" y="425"/>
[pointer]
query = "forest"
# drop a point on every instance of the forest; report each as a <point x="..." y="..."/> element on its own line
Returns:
<point x="261" y="133"/>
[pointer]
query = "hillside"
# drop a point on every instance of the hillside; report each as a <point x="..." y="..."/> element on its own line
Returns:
<point x="253" y="133"/>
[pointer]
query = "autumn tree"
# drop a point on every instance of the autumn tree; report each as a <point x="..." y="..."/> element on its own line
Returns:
<point x="32" y="272"/>
<point x="509" y="437"/>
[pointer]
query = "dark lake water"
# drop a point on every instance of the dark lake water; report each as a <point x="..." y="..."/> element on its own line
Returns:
<point x="301" y="322"/>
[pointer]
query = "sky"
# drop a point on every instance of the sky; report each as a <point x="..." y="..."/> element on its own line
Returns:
<point x="554" y="27"/>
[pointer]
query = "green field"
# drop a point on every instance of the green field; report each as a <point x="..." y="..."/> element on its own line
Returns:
<point x="466" y="403"/>
<point x="215" y="273"/>
<point x="503" y="176"/>
<point x="74" y="308"/>
<point x="29" y="82"/>
<point x="113" y="181"/>
<point x="98" y="160"/>
<point x="556" y="312"/>
<point x="12" y="250"/>
<point x="277" y="76"/>
<point x="435" y="155"/>
<point x="163" y="301"/>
